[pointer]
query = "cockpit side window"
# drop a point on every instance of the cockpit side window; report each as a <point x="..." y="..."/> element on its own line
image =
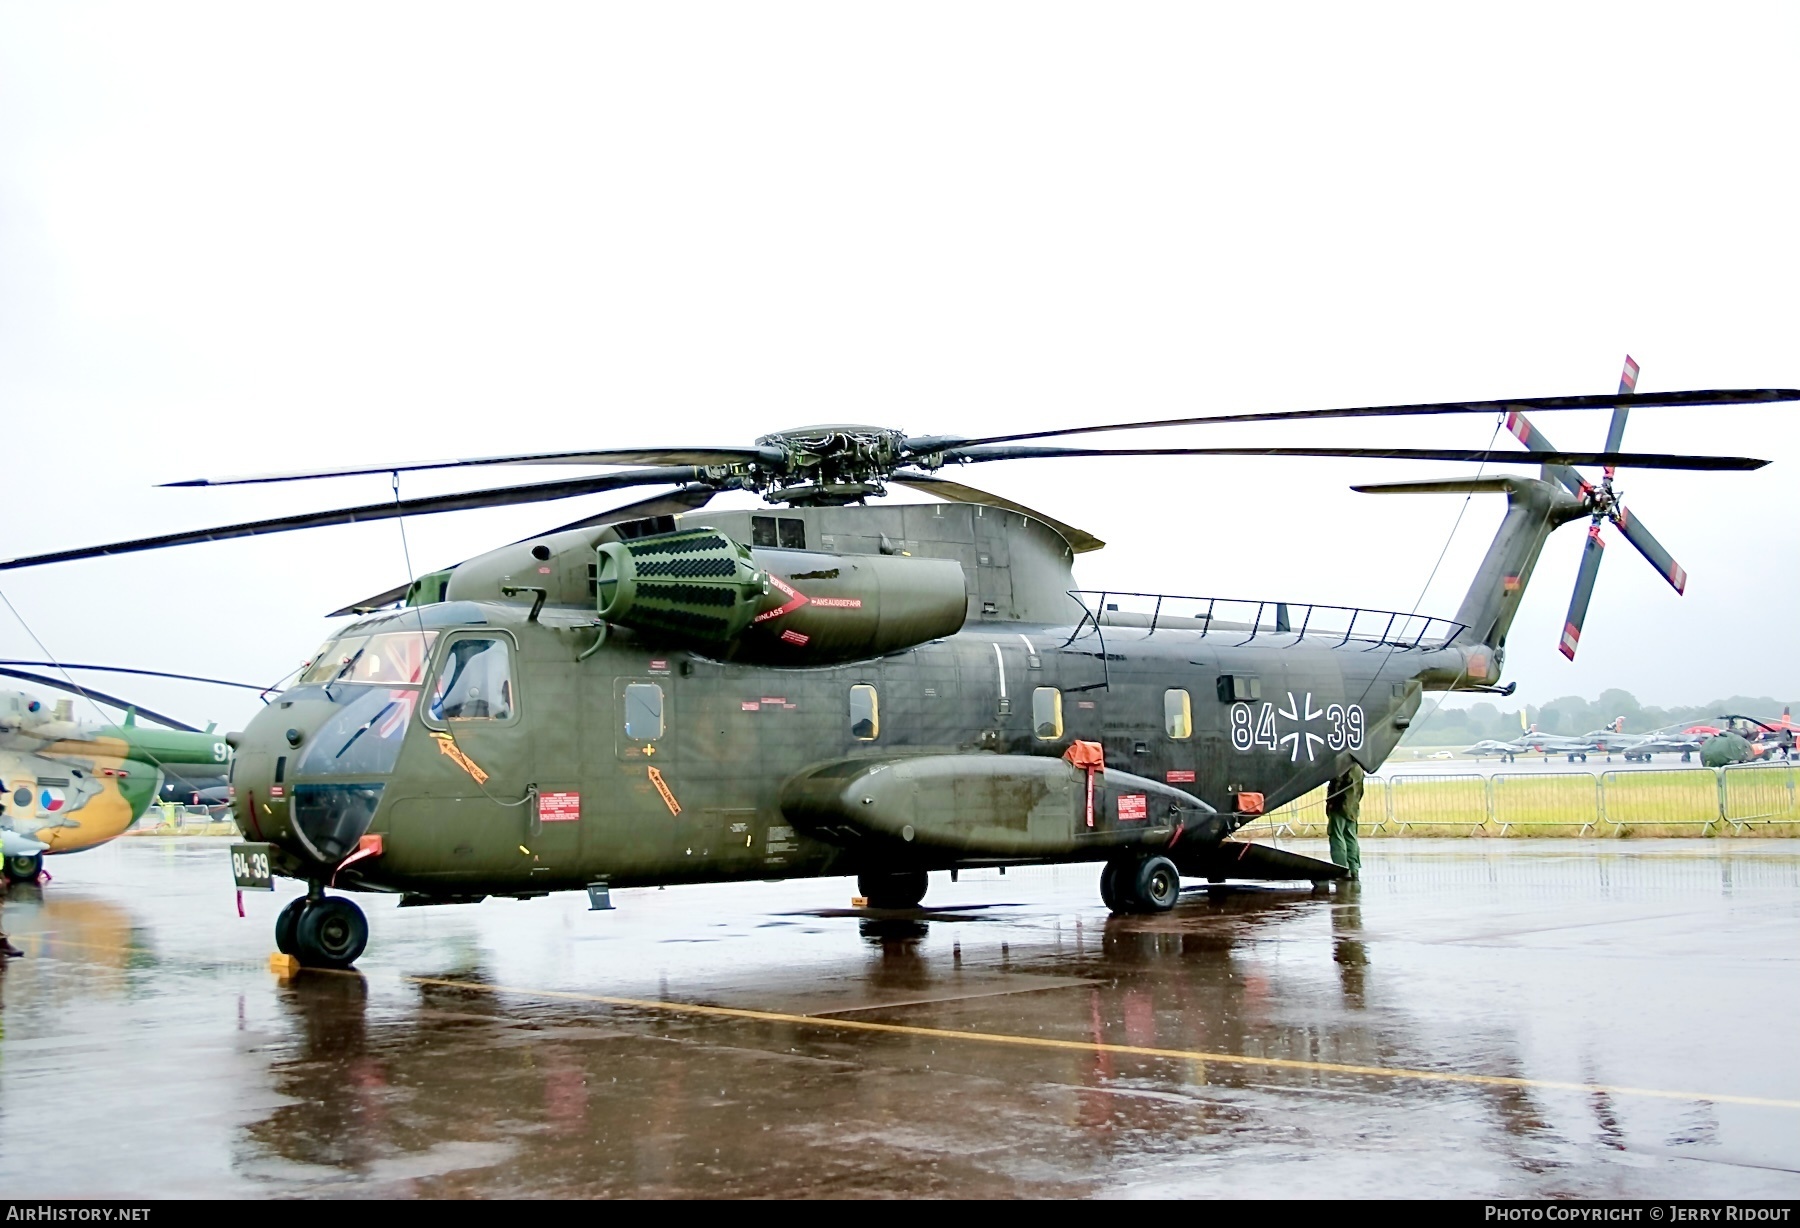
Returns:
<point x="474" y="682"/>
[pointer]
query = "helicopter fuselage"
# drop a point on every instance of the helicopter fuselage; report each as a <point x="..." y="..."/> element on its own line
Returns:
<point x="643" y="764"/>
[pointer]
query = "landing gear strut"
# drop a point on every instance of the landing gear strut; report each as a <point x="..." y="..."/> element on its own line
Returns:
<point x="323" y="932"/>
<point x="24" y="867"/>
<point x="899" y="889"/>
<point x="1150" y="884"/>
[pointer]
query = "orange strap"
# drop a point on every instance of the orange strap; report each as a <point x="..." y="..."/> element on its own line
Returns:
<point x="1090" y="756"/>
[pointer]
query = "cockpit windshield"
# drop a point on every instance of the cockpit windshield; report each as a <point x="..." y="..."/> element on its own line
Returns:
<point x="392" y="658"/>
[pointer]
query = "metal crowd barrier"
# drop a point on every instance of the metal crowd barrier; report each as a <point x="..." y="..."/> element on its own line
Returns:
<point x="1751" y="793"/>
<point x="1447" y="800"/>
<point x="1661" y="797"/>
<point x="1545" y="799"/>
<point x="1305" y="815"/>
<point x="1746" y="796"/>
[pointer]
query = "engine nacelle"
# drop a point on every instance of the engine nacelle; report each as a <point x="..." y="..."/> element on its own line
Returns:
<point x="701" y="589"/>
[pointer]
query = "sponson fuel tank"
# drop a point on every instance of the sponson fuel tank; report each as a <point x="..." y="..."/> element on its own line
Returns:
<point x="939" y="807"/>
<point x="785" y="607"/>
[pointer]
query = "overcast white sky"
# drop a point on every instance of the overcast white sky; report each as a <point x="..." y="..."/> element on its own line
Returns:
<point x="256" y="237"/>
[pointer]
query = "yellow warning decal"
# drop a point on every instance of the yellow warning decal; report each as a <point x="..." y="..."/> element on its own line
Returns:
<point x="448" y="746"/>
<point x="662" y="787"/>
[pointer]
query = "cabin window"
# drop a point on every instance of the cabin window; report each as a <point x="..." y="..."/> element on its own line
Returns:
<point x="787" y="532"/>
<point x="1046" y="712"/>
<point x="1178" y="715"/>
<point x="1239" y="688"/>
<point x="474" y="682"/>
<point x="865" y="713"/>
<point x="643" y="711"/>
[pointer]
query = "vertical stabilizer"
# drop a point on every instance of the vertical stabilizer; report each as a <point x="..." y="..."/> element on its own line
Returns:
<point x="1534" y="509"/>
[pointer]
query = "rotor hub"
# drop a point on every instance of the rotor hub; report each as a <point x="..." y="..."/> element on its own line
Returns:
<point x="832" y="465"/>
<point x="1605" y="500"/>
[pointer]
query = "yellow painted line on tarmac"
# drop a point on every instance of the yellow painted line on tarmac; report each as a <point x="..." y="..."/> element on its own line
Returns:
<point x="1094" y="1046"/>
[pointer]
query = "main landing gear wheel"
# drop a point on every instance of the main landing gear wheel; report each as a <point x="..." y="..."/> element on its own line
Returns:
<point x="24" y="867"/>
<point x="329" y="933"/>
<point x="1150" y="885"/>
<point x="287" y="924"/>
<point x="1109" y="889"/>
<point x="900" y="889"/>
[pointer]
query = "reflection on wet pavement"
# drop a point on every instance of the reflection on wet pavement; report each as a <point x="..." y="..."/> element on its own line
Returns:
<point x="1628" y="1006"/>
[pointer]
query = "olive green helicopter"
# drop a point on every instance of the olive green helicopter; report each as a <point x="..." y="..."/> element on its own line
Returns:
<point x="666" y="693"/>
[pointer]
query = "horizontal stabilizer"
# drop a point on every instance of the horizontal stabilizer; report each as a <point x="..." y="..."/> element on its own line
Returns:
<point x="1441" y="486"/>
<point x="1240" y="859"/>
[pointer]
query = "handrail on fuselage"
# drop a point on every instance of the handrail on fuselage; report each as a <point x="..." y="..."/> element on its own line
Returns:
<point x="1404" y="632"/>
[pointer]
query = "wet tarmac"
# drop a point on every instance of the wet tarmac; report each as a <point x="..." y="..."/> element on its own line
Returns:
<point x="1564" y="1017"/>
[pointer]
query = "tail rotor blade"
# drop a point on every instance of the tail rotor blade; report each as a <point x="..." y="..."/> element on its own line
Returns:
<point x="1534" y="440"/>
<point x="1650" y="548"/>
<point x="1627" y="385"/>
<point x="1584" y="592"/>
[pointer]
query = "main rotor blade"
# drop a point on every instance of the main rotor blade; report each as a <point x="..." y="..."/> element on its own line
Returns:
<point x="112" y="701"/>
<point x="1640" y="460"/>
<point x="1584" y="592"/>
<point x="1650" y="548"/>
<point x="1727" y="396"/>
<point x="501" y="496"/>
<point x="1615" y="433"/>
<point x="618" y="456"/>
<point x="144" y="673"/>
<point x="1080" y="541"/>
<point x="684" y="500"/>
<point x="689" y="498"/>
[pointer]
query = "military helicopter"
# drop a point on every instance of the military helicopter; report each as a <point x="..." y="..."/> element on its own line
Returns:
<point x="66" y="787"/>
<point x="666" y="693"/>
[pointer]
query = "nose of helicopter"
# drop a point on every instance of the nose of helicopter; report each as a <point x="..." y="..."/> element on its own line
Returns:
<point x="316" y="821"/>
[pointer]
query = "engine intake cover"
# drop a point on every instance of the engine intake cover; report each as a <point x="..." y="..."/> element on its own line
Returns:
<point x="697" y="585"/>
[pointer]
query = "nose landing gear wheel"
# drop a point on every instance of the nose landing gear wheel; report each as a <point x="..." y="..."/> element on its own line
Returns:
<point x="24" y="867"/>
<point x="330" y="933"/>
<point x="903" y="889"/>
<point x="1150" y="885"/>
<point x="287" y="923"/>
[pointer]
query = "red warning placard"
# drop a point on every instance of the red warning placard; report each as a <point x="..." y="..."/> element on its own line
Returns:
<point x="1132" y="806"/>
<point x="559" y="807"/>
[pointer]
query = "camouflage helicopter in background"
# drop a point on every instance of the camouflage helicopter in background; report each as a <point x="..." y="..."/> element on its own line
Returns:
<point x="68" y="786"/>
<point x="665" y="693"/>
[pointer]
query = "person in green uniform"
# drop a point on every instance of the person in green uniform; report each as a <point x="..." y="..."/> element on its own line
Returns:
<point x="1343" y="802"/>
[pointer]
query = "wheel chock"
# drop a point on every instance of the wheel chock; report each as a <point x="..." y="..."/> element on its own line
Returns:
<point x="284" y="966"/>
